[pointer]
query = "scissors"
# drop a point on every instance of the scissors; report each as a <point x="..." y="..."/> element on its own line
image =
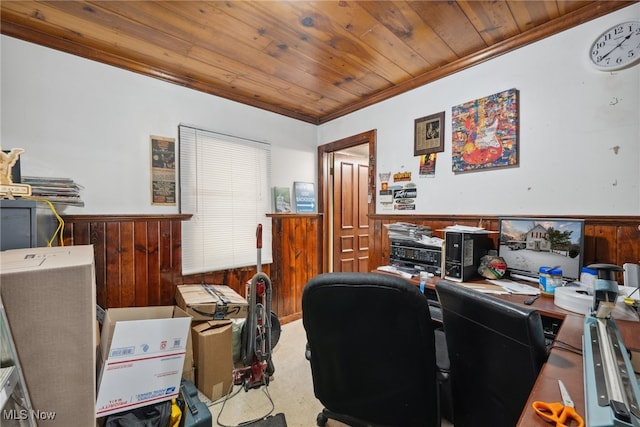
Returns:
<point x="560" y="413"/>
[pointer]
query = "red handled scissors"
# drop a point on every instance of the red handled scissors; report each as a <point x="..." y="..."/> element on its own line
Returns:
<point x="560" y="413"/>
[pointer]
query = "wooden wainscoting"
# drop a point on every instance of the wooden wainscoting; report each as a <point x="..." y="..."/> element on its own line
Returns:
<point x="297" y="255"/>
<point x="608" y="239"/>
<point x="138" y="259"/>
<point x="296" y="259"/>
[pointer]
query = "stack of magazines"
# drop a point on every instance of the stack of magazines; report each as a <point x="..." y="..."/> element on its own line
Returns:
<point x="62" y="191"/>
<point x="407" y="231"/>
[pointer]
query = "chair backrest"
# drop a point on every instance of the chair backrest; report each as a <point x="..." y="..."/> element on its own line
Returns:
<point x="372" y="348"/>
<point x="496" y="350"/>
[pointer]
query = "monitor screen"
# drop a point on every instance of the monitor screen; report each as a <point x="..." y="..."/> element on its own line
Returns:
<point x="526" y="244"/>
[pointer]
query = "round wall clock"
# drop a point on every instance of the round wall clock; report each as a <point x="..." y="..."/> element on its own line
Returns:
<point x="618" y="47"/>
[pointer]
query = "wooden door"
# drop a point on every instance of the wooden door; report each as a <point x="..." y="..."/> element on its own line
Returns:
<point x="350" y="210"/>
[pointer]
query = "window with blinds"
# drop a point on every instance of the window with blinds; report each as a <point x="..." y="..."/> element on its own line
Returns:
<point x="225" y="184"/>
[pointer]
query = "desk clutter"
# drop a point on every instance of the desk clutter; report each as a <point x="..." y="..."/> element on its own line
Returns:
<point x="413" y="250"/>
<point x="534" y="250"/>
<point x="578" y="298"/>
<point x="611" y="390"/>
<point x="464" y="254"/>
<point x="612" y="394"/>
<point x="559" y="412"/>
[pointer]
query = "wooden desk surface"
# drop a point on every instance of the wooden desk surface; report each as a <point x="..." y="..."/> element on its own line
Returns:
<point x="562" y="364"/>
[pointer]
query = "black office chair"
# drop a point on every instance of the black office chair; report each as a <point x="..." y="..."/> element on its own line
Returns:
<point x="496" y="350"/>
<point x="370" y="342"/>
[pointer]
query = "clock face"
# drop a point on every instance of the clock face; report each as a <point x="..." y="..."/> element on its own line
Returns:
<point x="618" y="47"/>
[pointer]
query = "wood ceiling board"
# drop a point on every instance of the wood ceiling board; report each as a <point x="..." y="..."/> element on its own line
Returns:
<point x="337" y="25"/>
<point x="312" y="61"/>
<point x="448" y="20"/>
<point x="493" y="21"/>
<point x="400" y="18"/>
<point x="297" y="50"/>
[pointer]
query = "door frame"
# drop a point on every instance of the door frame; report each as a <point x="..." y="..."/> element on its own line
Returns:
<point x="324" y="173"/>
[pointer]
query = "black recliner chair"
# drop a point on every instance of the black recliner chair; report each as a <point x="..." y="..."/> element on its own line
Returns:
<point x="371" y="346"/>
<point x="496" y="350"/>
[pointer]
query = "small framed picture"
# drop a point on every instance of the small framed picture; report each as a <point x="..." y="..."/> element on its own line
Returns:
<point x="305" y="196"/>
<point x="429" y="134"/>
<point x="163" y="171"/>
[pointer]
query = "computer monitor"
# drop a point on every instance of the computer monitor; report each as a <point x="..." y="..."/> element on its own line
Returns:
<point x="526" y="244"/>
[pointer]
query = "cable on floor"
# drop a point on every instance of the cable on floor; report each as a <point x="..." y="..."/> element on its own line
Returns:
<point x="231" y="394"/>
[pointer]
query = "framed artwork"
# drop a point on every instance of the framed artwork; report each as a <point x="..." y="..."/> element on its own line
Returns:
<point x="305" y="196"/>
<point x="282" y="199"/>
<point x="163" y="171"/>
<point x="429" y="134"/>
<point x="428" y="165"/>
<point x="485" y="132"/>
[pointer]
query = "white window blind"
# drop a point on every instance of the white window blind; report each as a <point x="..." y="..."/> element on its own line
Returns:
<point x="225" y="184"/>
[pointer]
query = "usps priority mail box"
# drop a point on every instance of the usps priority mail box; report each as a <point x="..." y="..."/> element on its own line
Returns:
<point x="142" y="356"/>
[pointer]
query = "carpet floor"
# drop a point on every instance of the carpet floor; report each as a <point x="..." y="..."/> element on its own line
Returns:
<point x="290" y="389"/>
<point x="289" y="394"/>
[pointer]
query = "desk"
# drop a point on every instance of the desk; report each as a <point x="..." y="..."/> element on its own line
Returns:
<point x="567" y="366"/>
<point x="562" y="364"/>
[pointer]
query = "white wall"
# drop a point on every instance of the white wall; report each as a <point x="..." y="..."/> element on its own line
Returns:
<point x="572" y="118"/>
<point x="91" y="122"/>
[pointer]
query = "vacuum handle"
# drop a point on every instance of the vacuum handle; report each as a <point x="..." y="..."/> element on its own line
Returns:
<point x="259" y="237"/>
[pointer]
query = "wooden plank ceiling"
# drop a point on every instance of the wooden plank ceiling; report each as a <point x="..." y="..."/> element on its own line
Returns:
<point x="309" y="60"/>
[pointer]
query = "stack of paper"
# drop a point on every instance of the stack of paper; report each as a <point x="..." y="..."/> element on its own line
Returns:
<point x="467" y="229"/>
<point x="515" y="287"/>
<point x="407" y="231"/>
<point x="56" y="190"/>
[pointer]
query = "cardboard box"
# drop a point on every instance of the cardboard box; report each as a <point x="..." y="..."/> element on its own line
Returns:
<point x="142" y="353"/>
<point x="213" y="357"/>
<point x="189" y="368"/>
<point x="211" y="302"/>
<point x="50" y="301"/>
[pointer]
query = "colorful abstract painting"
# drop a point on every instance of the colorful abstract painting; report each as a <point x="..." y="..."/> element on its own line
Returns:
<point x="485" y="132"/>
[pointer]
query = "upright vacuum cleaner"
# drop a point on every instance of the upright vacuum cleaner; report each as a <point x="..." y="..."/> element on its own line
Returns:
<point x="257" y="333"/>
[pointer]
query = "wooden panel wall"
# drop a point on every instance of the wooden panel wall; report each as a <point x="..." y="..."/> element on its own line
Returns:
<point x="139" y="262"/>
<point x="297" y="255"/>
<point x="138" y="259"/>
<point x="608" y="239"/>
